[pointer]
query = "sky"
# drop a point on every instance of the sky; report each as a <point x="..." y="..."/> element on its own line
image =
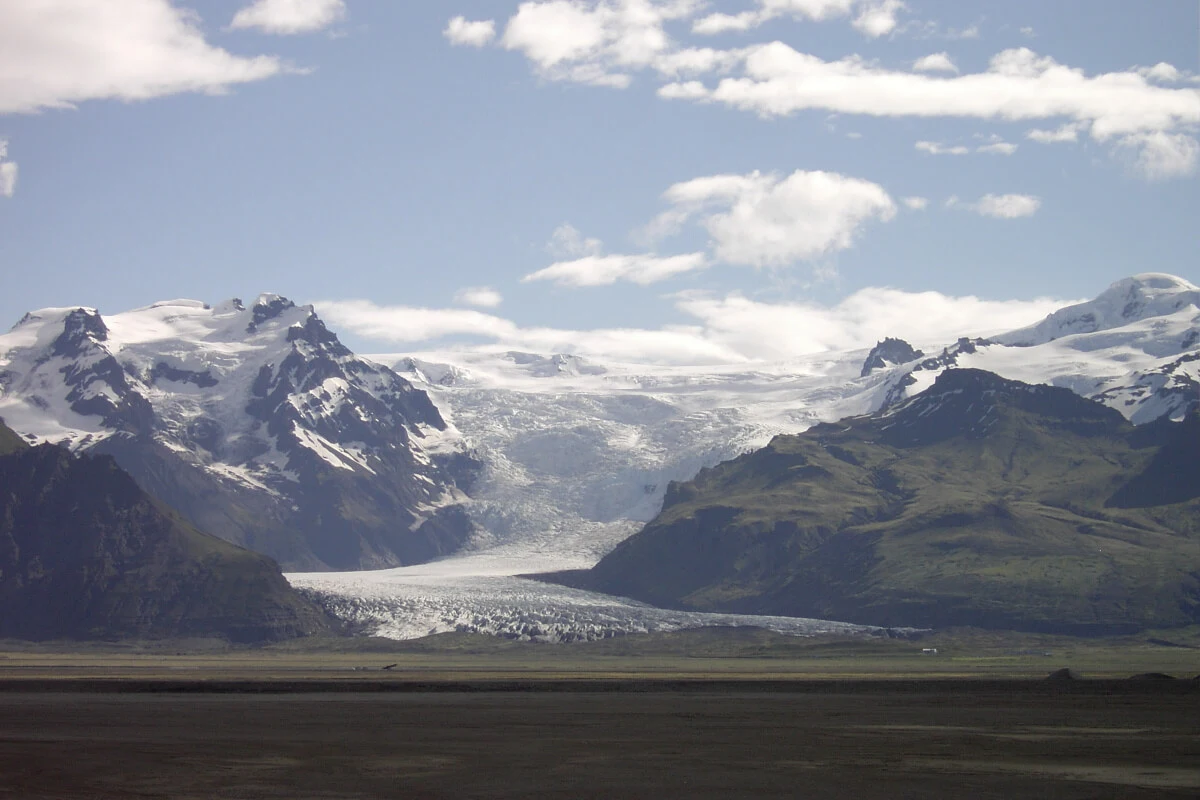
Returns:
<point x="668" y="181"/>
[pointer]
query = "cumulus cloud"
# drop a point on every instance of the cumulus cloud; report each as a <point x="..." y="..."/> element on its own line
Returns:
<point x="54" y="55"/>
<point x="1006" y="206"/>
<point x="605" y="270"/>
<point x="1159" y="155"/>
<point x="727" y="329"/>
<point x="287" y="17"/>
<point x="765" y="220"/>
<point x="915" y="203"/>
<point x="482" y="296"/>
<point x="1065" y="133"/>
<point x="1162" y="71"/>
<point x="568" y="242"/>
<point x="935" y="62"/>
<point x="462" y="31"/>
<point x="8" y="172"/>
<point x="597" y="43"/>
<point x="878" y="18"/>
<point x="939" y="149"/>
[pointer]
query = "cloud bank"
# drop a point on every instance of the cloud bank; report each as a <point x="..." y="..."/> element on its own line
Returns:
<point x="726" y="329"/>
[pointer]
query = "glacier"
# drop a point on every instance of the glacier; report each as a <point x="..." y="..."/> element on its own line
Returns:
<point x="577" y="453"/>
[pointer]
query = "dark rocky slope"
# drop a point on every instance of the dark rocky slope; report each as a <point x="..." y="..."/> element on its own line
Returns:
<point x="86" y="554"/>
<point x="981" y="502"/>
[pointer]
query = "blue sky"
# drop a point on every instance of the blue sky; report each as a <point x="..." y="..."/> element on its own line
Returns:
<point x="671" y="181"/>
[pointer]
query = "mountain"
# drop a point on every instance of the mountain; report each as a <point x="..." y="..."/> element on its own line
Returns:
<point x="84" y="554"/>
<point x="980" y="501"/>
<point x="255" y="423"/>
<point x="1136" y="348"/>
<point x="889" y="353"/>
<point x="578" y="452"/>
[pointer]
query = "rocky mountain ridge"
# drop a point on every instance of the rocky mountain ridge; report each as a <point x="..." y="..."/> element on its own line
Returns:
<point x="255" y="423"/>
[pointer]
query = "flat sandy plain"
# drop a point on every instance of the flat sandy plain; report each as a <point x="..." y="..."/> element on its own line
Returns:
<point x="673" y="717"/>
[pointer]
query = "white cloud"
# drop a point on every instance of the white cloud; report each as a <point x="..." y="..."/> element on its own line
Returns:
<point x="287" y="17"/>
<point x="8" y="172"/>
<point x="998" y="148"/>
<point x="878" y="18"/>
<point x="939" y="149"/>
<point x="54" y="55"/>
<point x="568" y="242"/>
<point x="777" y="81"/>
<point x="1160" y="156"/>
<point x="1162" y="71"/>
<point x="408" y="325"/>
<point x="767" y="220"/>
<point x="729" y="329"/>
<point x="915" y="203"/>
<point x="875" y="18"/>
<point x="462" y="31"/>
<point x="1066" y="133"/>
<point x="8" y="178"/>
<point x="482" y="296"/>
<point x="777" y="331"/>
<point x="935" y="62"/>
<point x="598" y="43"/>
<point x="599" y="270"/>
<point x="1019" y="84"/>
<point x="1028" y="31"/>
<point x="688" y="90"/>
<point x="1006" y="206"/>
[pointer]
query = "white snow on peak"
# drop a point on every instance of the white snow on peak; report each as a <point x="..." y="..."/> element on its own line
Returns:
<point x="266" y="298"/>
<point x="195" y="365"/>
<point x="1131" y="300"/>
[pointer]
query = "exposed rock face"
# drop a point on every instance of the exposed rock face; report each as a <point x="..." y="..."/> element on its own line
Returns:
<point x="981" y="502"/>
<point x="85" y="553"/>
<point x="889" y="353"/>
<point x="256" y="423"/>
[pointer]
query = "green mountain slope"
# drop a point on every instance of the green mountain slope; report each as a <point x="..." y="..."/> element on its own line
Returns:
<point x="85" y="553"/>
<point x="980" y="502"/>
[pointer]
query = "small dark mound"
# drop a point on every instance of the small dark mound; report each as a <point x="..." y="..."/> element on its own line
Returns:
<point x="1064" y="674"/>
<point x="1153" y="676"/>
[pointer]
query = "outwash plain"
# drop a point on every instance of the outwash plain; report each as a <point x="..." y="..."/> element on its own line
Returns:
<point x="705" y="713"/>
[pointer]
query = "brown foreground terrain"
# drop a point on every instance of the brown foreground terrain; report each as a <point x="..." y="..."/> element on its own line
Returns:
<point x="627" y="739"/>
<point x="699" y="714"/>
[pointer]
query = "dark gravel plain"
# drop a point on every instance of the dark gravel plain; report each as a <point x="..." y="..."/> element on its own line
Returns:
<point x="600" y="739"/>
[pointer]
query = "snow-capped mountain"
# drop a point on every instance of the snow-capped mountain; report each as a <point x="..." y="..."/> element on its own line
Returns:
<point x="568" y="456"/>
<point x="256" y="423"/>
<point x="577" y="454"/>
<point x="1136" y="348"/>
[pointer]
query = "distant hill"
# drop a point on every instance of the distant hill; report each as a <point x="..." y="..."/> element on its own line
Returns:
<point x="85" y="553"/>
<point x="981" y="501"/>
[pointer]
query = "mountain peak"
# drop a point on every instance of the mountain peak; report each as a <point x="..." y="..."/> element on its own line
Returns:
<point x="1130" y="300"/>
<point x="80" y="327"/>
<point x="971" y="402"/>
<point x="889" y="353"/>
